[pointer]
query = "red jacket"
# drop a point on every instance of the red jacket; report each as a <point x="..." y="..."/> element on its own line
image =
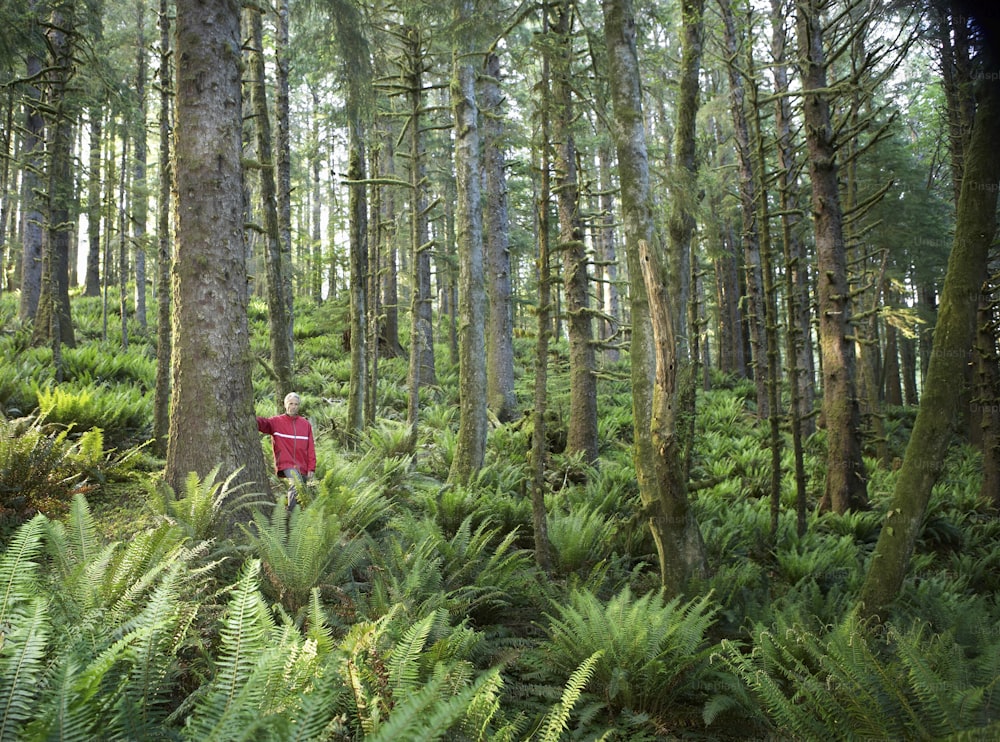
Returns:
<point x="294" y="447"/>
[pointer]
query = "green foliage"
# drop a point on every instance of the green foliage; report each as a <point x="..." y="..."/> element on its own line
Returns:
<point x="302" y="549"/>
<point x="865" y="681"/>
<point x="121" y="409"/>
<point x="651" y="653"/>
<point x="39" y="471"/>
<point x="580" y="538"/>
<point x="204" y="508"/>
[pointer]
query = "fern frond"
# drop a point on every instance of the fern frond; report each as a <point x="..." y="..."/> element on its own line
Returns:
<point x="18" y="568"/>
<point x="22" y="667"/>
<point x="557" y="720"/>
<point x="404" y="659"/>
<point x="226" y="708"/>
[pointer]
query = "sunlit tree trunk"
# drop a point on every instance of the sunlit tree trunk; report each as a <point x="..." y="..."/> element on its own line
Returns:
<point x="953" y="335"/>
<point x="212" y="409"/>
<point x="658" y="455"/>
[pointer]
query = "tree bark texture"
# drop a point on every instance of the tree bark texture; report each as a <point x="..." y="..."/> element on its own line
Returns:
<point x="470" y="447"/>
<point x="278" y="318"/>
<point x="975" y="230"/>
<point x="845" y="475"/>
<point x="658" y="458"/>
<point x="500" y="330"/>
<point x="32" y="148"/>
<point x="212" y="410"/>
<point x="164" y="341"/>
<point x="581" y="435"/>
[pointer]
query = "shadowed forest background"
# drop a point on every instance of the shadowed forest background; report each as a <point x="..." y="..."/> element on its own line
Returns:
<point x="651" y="350"/>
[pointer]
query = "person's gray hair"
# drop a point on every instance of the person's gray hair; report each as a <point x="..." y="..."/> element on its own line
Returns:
<point x="293" y="395"/>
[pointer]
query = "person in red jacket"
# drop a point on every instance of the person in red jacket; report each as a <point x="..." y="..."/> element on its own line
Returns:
<point x="294" y="447"/>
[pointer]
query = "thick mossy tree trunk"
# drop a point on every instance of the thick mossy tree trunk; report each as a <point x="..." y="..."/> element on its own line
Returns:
<point x="846" y="486"/>
<point x="212" y="410"/>
<point x="658" y="457"/>
<point x="470" y="449"/>
<point x="953" y="334"/>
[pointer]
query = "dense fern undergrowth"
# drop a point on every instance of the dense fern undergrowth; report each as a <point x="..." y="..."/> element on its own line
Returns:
<point x="393" y="606"/>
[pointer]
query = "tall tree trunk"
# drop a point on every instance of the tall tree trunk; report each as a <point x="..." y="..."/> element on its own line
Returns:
<point x="359" y="78"/>
<point x="581" y="435"/>
<point x="802" y="370"/>
<point x="933" y="430"/>
<point x="611" y="300"/>
<point x="278" y="318"/>
<point x="845" y="475"/>
<point x="988" y="393"/>
<point x="748" y="190"/>
<point x="421" y="371"/>
<point x="92" y="276"/>
<point x="32" y="148"/>
<point x="140" y="211"/>
<point x="283" y="164"/>
<point x="53" y="320"/>
<point x="470" y="449"/>
<point x="500" y="331"/>
<point x="658" y="457"/>
<point x="539" y="437"/>
<point x="164" y="341"/>
<point x="211" y="414"/>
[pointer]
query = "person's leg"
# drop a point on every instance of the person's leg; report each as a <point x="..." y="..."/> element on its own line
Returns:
<point x="293" y="478"/>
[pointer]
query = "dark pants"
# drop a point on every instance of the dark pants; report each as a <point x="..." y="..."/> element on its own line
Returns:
<point x="294" y="477"/>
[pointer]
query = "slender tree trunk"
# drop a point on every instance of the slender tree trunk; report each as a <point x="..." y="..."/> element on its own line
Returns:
<point x="92" y="277"/>
<point x="658" y="457"/>
<point x="470" y="447"/>
<point x="140" y="211"/>
<point x="748" y="190"/>
<point x="953" y="334"/>
<point x="500" y="330"/>
<point x="582" y="428"/>
<point x="211" y="415"/>
<point x="164" y="341"/>
<point x="32" y="148"/>
<point x="539" y="436"/>
<point x="278" y="318"/>
<point x="283" y="165"/>
<point x="988" y="394"/>
<point x="609" y="257"/>
<point x="845" y="475"/>
<point x="53" y="320"/>
<point x="801" y="367"/>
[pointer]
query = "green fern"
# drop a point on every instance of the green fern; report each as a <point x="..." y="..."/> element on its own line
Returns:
<point x="653" y="652"/>
<point x="557" y="720"/>
<point x="231" y="703"/>
<point x="205" y="506"/>
<point x="302" y="549"/>
<point x="857" y="680"/>
<point x="19" y="570"/>
<point x="22" y="667"/>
